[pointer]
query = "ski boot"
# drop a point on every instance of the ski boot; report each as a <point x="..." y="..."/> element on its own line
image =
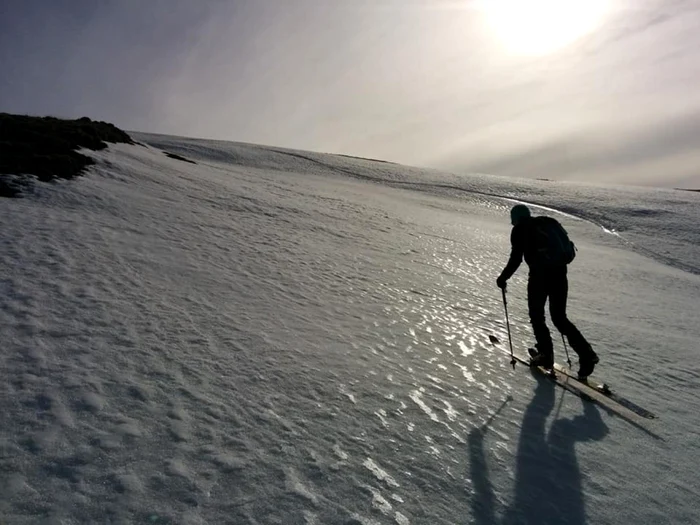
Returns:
<point x="587" y="365"/>
<point x="540" y="359"/>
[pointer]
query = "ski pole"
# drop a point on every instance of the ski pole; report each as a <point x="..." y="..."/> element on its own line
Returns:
<point x="566" y="350"/>
<point x="510" y="340"/>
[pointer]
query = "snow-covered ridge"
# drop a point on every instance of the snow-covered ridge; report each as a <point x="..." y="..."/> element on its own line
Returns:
<point x="661" y="223"/>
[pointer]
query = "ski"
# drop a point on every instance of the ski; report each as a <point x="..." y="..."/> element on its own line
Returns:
<point x="588" y="389"/>
<point x="605" y="390"/>
<point x="608" y="399"/>
<point x="602" y="388"/>
<point x="570" y="384"/>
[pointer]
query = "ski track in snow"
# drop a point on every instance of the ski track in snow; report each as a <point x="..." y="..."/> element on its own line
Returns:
<point x="261" y="339"/>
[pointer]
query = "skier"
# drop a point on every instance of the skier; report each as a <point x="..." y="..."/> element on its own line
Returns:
<point x="547" y="250"/>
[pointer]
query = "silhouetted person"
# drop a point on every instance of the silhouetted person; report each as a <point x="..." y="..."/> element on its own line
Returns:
<point x="547" y="250"/>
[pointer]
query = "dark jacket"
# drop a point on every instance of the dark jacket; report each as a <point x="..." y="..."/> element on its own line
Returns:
<point x="524" y="243"/>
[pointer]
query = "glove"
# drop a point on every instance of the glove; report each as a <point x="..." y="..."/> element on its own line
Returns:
<point x="501" y="283"/>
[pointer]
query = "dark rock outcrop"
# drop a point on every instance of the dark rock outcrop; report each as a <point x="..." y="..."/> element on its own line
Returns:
<point x="44" y="148"/>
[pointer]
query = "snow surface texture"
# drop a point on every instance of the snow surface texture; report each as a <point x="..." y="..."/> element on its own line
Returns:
<point x="264" y="338"/>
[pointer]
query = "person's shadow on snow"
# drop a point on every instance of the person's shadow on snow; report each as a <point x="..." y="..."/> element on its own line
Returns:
<point x="547" y="476"/>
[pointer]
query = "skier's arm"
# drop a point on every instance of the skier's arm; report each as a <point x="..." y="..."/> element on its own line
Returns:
<point x="516" y="255"/>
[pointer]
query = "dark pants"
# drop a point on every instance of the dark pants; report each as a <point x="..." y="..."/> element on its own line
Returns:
<point x="553" y="284"/>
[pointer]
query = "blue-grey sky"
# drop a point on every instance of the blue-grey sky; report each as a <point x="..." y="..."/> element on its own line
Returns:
<point x="590" y="90"/>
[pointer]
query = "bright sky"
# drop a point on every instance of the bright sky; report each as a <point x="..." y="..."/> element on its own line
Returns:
<point x="590" y="90"/>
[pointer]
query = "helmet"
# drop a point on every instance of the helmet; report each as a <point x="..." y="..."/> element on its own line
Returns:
<point x="518" y="213"/>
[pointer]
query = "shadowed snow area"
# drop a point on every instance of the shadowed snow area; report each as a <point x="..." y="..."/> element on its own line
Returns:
<point x="281" y="337"/>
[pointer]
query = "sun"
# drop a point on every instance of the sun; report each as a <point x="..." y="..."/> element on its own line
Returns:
<point x="539" y="27"/>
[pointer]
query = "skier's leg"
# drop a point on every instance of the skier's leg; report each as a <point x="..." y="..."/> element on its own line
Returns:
<point x="557" y="308"/>
<point x="536" y="299"/>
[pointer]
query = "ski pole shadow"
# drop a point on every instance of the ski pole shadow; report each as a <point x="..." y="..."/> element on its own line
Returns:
<point x="548" y="481"/>
<point x="483" y="506"/>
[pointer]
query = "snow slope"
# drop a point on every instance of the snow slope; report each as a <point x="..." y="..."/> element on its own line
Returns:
<point x="271" y="336"/>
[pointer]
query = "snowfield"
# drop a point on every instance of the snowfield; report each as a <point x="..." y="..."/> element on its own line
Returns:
<point x="279" y="337"/>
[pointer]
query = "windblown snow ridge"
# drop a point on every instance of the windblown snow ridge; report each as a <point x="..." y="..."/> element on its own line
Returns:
<point x="658" y="223"/>
<point x="603" y="222"/>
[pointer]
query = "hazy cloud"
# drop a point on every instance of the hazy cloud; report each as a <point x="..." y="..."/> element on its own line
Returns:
<point x="422" y="82"/>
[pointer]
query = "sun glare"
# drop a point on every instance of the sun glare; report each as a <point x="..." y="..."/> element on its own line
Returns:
<point x="538" y="27"/>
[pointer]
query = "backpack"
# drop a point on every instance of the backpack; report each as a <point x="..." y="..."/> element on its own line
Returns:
<point x="552" y="246"/>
